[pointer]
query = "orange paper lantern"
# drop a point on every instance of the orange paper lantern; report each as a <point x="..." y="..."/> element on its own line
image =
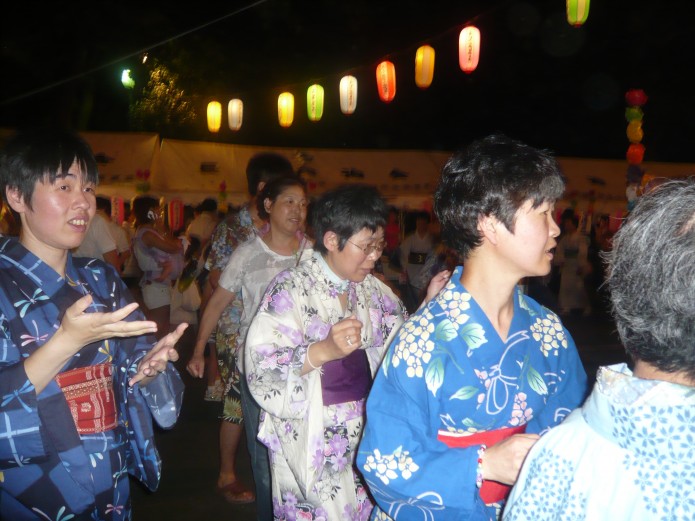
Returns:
<point x="635" y="153"/>
<point x="424" y="66"/>
<point x="386" y="81"/>
<point x="469" y="49"/>
<point x="348" y="94"/>
<point x="286" y="109"/>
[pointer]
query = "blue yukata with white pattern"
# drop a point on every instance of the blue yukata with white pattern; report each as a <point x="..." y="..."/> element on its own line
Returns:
<point x="448" y="371"/>
<point x="47" y="469"/>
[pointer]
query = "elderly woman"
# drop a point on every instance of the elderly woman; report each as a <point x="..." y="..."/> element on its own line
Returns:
<point x="311" y="352"/>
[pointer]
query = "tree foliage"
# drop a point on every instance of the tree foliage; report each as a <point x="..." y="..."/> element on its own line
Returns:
<point x="162" y="107"/>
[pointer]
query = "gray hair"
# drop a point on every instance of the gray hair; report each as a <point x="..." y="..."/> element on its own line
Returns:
<point x="651" y="276"/>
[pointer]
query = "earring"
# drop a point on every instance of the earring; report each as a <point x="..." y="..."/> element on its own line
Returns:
<point x="151" y="215"/>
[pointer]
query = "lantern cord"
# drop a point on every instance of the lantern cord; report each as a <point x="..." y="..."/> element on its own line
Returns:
<point x="135" y="53"/>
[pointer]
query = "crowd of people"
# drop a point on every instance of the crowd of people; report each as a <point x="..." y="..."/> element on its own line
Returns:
<point x="381" y="365"/>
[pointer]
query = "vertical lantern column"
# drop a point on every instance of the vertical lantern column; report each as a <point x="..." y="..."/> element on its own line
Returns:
<point x="635" y="99"/>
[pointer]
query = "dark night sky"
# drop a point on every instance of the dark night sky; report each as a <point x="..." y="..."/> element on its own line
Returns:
<point x="539" y="80"/>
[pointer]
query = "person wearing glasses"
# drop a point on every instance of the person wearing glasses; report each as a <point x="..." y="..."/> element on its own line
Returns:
<point x="311" y="352"/>
<point x="473" y="377"/>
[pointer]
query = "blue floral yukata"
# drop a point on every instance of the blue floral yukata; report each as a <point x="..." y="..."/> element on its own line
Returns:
<point x="49" y="470"/>
<point x="310" y="426"/>
<point x="448" y="378"/>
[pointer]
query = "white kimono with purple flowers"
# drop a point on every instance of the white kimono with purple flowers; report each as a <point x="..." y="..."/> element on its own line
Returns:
<point x="312" y="445"/>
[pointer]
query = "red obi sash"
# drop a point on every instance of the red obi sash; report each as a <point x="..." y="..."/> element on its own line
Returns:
<point x="490" y="491"/>
<point x="89" y="392"/>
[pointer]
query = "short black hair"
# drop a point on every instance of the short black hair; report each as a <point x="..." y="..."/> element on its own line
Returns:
<point x="43" y="155"/>
<point x="347" y="210"/>
<point x="493" y="176"/>
<point x="265" y="166"/>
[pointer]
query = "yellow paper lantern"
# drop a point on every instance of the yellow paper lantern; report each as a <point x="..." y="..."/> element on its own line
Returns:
<point x="634" y="132"/>
<point x="286" y="109"/>
<point x="314" y="102"/>
<point x="235" y="113"/>
<point x="386" y="81"/>
<point x="348" y="94"/>
<point x="214" y="116"/>
<point x="424" y="66"/>
<point x="469" y="48"/>
<point x="577" y="12"/>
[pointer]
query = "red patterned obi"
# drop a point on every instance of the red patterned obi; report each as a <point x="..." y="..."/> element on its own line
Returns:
<point x="490" y="491"/>
<point x="89" y="392"/>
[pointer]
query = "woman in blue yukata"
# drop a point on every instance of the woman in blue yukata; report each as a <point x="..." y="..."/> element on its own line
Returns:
<point x="475" y="376"/>
<point x="81" y="375"/>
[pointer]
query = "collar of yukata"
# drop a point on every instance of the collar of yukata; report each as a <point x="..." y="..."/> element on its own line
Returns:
<point x="340" y="285"/>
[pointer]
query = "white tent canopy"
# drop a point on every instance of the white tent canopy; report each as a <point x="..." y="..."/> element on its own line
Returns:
<point x="194" y="170"/>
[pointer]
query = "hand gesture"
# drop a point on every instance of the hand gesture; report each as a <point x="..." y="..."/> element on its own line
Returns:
<point x="502" y="461"/>
<point x="80" y="328"/>
<point x="157" y="358"/>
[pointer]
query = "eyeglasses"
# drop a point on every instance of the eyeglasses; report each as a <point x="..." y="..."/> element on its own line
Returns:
<point x="371" y="248"/>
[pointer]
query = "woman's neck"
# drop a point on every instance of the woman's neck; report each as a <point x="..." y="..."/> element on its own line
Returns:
<point x="281" y="243"/>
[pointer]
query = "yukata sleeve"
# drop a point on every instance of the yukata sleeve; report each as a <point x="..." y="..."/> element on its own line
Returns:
<point x="20" y="434"/>
<point x="411" y="474"/>
<point x="163" y="396"/>
<point x="275" y="351"/>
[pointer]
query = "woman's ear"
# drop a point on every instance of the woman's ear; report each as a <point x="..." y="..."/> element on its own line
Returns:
<point x="331" y="241"/>
<point x="487" y="226"/>
<point x="15" y="199"/>
<point x="267" y="204"/>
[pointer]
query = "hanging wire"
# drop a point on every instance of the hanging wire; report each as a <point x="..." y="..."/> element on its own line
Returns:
<point x="123" y="58"/>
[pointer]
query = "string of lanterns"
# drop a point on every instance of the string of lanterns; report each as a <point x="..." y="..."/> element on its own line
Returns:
<point x="469" y="57"/>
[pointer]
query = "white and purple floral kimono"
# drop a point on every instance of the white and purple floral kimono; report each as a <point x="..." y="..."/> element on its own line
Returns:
<point x="311" y="426"/>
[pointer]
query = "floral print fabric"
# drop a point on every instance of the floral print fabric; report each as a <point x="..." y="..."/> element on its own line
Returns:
<point x="449" y="372"/>
<point x="312" y="446"/>
<point x="628" y="453"/>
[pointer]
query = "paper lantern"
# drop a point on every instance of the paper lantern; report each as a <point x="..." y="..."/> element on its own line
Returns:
<point x="314" y="102"/>
<point x="348" y="94"/>
<point x="636" y="97"/>
<point x="469" y="48"/>
<point x="577" y="12"/>
<point x="117" y="209"/>
<point x="386" y="81"/>
<point x="634" y="114"/>
<point x="235" y="113"/>
<point x="635" y="153"/>
<point x="634" y="132"/>
<point x="214" y="116"/>
<point x="175" y="215"/>
<point x="286" y="109"/>
<point x="424" y="66"/>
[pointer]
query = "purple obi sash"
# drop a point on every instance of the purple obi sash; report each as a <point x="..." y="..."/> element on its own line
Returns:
<point x="347" y="379"/>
